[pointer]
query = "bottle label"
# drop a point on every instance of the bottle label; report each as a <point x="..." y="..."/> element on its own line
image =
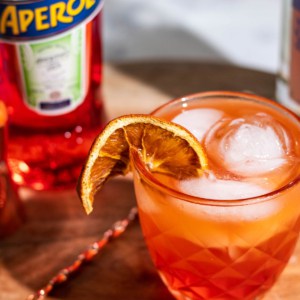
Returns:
<point x="27" y="20"/>
<point x="53" y="72"/>
<point x="52" y="40"/>
<point x="295" y="53"/>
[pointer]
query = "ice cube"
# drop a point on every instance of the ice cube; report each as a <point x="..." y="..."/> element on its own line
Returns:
<point x="198" y="121"/>
<point x="250" y="146"/>
<point x="210" y="187"/>
<point x="216" y="189"/>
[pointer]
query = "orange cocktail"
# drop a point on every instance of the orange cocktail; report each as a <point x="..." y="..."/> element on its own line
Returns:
<point x="229" y="233"/>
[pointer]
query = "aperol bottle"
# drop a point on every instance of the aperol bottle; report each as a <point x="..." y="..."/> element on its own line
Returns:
<point x="50" y="80"/>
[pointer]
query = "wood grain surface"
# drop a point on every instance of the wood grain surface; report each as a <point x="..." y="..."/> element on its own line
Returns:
<point x="57" y="229"/>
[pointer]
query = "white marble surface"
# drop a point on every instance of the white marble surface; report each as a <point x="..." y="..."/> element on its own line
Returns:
<point x="241" y="32"/>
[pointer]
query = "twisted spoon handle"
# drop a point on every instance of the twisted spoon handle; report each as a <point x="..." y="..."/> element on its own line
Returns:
<point x="92" y="250"/>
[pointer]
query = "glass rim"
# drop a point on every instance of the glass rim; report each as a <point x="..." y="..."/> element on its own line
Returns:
<point x="150" y="178"/>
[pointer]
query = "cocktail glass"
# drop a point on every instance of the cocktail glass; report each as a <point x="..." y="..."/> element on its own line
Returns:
<point x="212" y="248"/>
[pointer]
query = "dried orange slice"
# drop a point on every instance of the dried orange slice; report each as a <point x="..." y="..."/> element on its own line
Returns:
<point x="164" y="147"/>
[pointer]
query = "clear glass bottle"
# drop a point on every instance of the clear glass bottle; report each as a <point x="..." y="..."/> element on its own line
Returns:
<point x="288" y="80"/>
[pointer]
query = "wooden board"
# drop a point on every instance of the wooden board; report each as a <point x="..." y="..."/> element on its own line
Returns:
<point x="57" y="229"/>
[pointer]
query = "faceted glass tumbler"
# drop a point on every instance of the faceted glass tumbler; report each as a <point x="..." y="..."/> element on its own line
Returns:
<point x="216" y="249"/>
